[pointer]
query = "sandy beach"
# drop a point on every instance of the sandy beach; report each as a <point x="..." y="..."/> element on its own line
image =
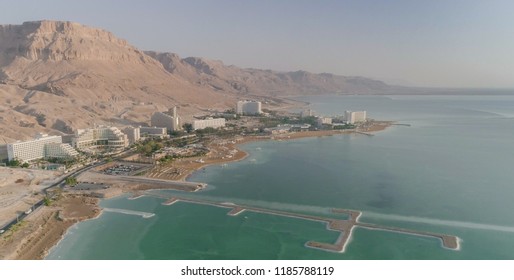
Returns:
<point x="41" y="230"/>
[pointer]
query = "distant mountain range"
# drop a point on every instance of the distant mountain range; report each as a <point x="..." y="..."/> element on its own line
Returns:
<point x="58" y="76"/>
<point x="220" y="77"/>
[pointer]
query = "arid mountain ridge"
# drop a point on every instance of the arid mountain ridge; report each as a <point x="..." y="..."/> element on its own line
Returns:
<point x="58" y="76"/>
<point x="215" y="74"/>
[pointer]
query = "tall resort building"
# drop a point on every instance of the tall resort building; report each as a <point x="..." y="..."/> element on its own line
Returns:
<point x="355" y="116"/>
<point x="171" y="121"/>
<point x="133" y="134"/>
<point x="247" y="107"/>
<point x="210" y="122"/>
<point x="43" y="146"/>
<point x="101" y="136"/>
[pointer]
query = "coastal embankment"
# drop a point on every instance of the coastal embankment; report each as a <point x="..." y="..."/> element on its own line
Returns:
<point x="343" y="226"/>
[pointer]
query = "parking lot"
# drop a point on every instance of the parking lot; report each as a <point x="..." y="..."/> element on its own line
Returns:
<point x="122" y="169"/>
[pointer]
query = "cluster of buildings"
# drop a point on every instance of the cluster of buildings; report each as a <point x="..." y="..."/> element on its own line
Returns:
<point x="286" y="128"/>
<point x="135" y="134"/>
<point x="112" y="138"/>
<point x="44" y="146"/>
<point x="100" y="136"/>
<point x="349" y="117"/>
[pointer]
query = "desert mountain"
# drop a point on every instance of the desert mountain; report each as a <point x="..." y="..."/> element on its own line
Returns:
<point x="62" y="76"/>
<point x="58" y="76"/>
<point x="233" y="79"/>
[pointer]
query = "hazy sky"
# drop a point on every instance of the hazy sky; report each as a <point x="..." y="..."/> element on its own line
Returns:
<point x="446" y="43"/>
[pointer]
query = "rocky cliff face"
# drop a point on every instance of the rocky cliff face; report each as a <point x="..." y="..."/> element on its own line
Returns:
<point x="57" y="41"/>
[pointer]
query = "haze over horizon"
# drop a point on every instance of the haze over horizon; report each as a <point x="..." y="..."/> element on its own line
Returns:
<point x="428" y="43"/>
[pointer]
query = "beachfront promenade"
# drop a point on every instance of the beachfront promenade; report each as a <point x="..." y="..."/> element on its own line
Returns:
<point x="344" y="226"/>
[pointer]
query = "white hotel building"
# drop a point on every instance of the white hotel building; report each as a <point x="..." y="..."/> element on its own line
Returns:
<point x="324" y="120"/>
<point x="355" y="117"/>
<point x="101" y="136"/>
<point x="133" y="134"/>
<point x="248" y="107"/>
<point x="153" y="132"/>
<point x="214" y="123"/>
<point x="43" y="146"/>
<point x="170" y="121"/>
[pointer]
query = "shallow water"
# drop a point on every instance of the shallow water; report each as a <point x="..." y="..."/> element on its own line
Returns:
<point x="449" y="172"/>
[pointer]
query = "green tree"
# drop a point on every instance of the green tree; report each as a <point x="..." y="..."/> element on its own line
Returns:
<point x="312" y="120"/>
<point x="147" y="149"/>
<point x="14" y="163"/>
<point x="157" y="146"/>
<point x="188" y="127"/>
<point x="47" y="201"/>
<point x="176" y="133"/>
<point x="25" y="165"/>
<point x="71" y="181"/>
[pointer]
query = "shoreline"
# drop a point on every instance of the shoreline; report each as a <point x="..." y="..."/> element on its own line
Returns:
<point x="43" y="242"/>
<point x="376" y="127"/>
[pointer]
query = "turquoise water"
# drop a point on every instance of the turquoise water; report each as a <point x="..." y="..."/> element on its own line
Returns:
<point x="449" y="172"/>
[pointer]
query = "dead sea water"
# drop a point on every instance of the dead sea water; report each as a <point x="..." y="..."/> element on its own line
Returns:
<point x="449" y="172"/>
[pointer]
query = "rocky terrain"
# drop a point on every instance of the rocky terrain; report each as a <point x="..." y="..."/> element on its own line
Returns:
<point x="215" y="74"/>
<point x="59" y="76"/>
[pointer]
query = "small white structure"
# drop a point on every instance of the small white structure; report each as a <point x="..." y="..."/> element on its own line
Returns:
<point x="248" y="107"/>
